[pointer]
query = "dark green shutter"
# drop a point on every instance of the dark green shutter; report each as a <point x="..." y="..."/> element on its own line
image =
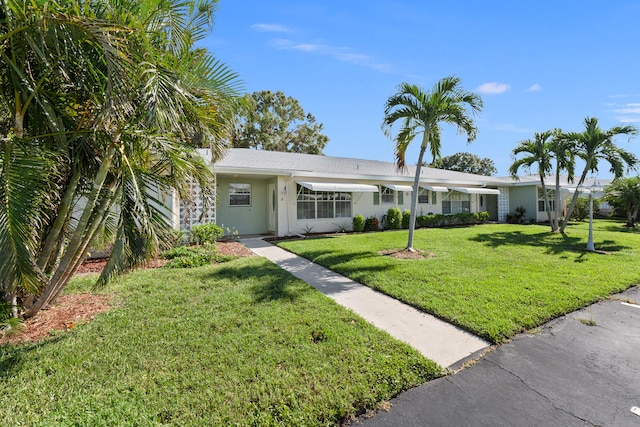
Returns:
<point x="376" y="198"/>
<point x="433" y="197"/>
<point x="400" y="198"/>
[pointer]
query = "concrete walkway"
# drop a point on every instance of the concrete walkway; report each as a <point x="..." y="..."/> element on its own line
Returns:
<point x="439" y="341"/>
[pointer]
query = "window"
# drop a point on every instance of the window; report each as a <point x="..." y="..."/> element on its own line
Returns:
<point x="322" y="204"/>
<point x="423" y="195"/>
<point x="239" y="194"/>
<point x="552" y="201"/>
<point x="456" y="202"/>
<point x="388" y="196"/>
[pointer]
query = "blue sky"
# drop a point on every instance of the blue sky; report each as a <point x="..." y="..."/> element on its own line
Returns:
<point x="537" y="65"/>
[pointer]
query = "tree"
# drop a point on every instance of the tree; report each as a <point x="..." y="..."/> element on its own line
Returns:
<point x="105" y="102"/>
<point x="593" y="145"/>
<point x="466" y="162"/>
<point x="422" y="112"/>
<point x="275" y="122"/>
<point x="624" y="193"/>
<point x="536" y="152"/>
<point x="562" y="150"/>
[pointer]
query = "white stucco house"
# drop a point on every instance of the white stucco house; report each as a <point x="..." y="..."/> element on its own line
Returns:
<point x="266" y="192"/>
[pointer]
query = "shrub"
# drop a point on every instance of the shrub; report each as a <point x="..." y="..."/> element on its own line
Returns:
<point x="516" y="217"/>
<point x="358" y="223"/>
<point x="205" y="233"/>
<point x="406" y="217"/>
<point x="192" y="256"/>
<point x="581" y="211"/>
<point x="371" y="224"/>
<point x="394" y="218"/>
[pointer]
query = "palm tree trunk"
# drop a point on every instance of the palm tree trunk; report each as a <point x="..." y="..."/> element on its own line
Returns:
<point x="414" y="198"/>
<point x="574" y="200"/>
<point x="547" y="206"/>
<point x="556" y="215"/>
<point x="73" y="251"/>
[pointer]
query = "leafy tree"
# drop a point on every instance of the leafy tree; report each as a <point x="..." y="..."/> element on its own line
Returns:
<point x="102" y="104"/>
<point x="466" y="162"/>
<point x="593" y="145"/>
<point x="422" y="112"/>
<point x="624" y="193"/>
<point x="276" y="122"/>
<point x="536" y="152"/>
<point x="562" y="151"/>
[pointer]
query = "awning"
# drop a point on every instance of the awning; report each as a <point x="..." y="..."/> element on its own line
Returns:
<point x="340" y="187"/>
<point x="399" y="187"/>
<point x="475" y="190"/>
<point x="435" y="188"/>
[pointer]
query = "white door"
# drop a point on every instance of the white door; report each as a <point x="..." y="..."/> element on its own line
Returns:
<point x="273" y="202"/>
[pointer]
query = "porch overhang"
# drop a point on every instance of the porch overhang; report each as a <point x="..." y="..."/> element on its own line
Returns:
<point x="396" y="187"/>
<point x="435" y="188"/>
<point x="340" y="187"/>
<point x="475" y="190"/>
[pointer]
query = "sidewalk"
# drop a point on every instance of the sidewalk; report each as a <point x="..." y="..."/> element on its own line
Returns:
<point x="437" y="340"/>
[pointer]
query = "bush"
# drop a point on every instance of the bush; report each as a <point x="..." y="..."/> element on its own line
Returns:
<point x="358" y="223"/>
<point x="205" y="233"/>
<point x="517" y="217"/>
<point x="394" y="218"/>
<point x="371" y="224"/>
<point x="192" y="256"/>
<point x="462" y="218"/>
<point x="581" y="210"/>
<point x="406" y="217"/>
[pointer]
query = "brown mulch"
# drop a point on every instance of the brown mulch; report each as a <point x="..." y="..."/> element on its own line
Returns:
<point x="405" y="254"/>
<point x="71" y="310"/>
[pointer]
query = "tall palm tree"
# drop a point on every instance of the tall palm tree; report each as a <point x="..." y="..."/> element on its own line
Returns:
<point x="422" y="112"/>
<point x="594" y="144"/>
<point x="537" y="152"/>
<point x="562" y="151"/>
<point x="106" y="103"/>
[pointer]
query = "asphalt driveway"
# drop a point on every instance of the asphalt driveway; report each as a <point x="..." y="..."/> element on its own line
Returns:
<point x="579" y="370"/>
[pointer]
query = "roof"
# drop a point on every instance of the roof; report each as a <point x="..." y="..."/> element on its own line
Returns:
<point x="259" y="162"/>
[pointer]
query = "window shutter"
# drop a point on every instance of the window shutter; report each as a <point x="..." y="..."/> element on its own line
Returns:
<point x="400" y="198"/>
<point x="433" y="197"/>
<point x="376" y="198"/>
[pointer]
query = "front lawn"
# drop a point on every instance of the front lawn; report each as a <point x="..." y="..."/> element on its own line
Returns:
<point x="240" y="343"/>
<point x="494" y="280"/>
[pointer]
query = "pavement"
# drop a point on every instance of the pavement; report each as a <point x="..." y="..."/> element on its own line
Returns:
<point x="445" y="344"/>
<point x="582" y="369"/>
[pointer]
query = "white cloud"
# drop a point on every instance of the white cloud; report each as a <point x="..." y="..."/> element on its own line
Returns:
<point x="339" y="53"/>
<point x="271" y="28"/>
<point x="509" y="127"/>
<point x="628" y="113"/>
<point x="534" y="88"/>
<point x="493" y="88"/>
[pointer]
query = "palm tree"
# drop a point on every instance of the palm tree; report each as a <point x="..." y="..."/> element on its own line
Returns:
<point x="421" y="113"/>
<point x="538" y="152"/>
<point x="625" y="193"/>
<point x="593" y="145"/>
<point x="562" y="150"/>
<point x="106" y="103"/>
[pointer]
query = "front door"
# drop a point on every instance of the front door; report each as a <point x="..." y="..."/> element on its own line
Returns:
<point x="272" y="197"/>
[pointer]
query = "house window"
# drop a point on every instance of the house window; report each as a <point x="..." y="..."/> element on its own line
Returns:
<point x="423" y="195"/>
<point x="239" y="194"/>
<point x="456" y="202"/>
<point x="552" y="201"/>
<point x="388" y="196"/>
<point x="322" y="204"/>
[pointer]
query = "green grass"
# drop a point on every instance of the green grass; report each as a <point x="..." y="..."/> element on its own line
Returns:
<point x="240" y="343"/>
<point x="494" y="280"/>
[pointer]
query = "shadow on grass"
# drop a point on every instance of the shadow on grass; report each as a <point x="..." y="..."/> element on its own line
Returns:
<point x="12" y="355"/>
<point x="270" y="283"/>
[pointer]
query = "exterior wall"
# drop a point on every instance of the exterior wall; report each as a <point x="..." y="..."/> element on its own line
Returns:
<point x="526" y="197"/>
<point x="503" y="203"/>
<point x="361" y="204"/>
<point x="243" y="219"/>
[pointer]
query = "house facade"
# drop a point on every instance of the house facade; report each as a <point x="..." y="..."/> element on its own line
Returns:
<point x="266" y="192"/>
